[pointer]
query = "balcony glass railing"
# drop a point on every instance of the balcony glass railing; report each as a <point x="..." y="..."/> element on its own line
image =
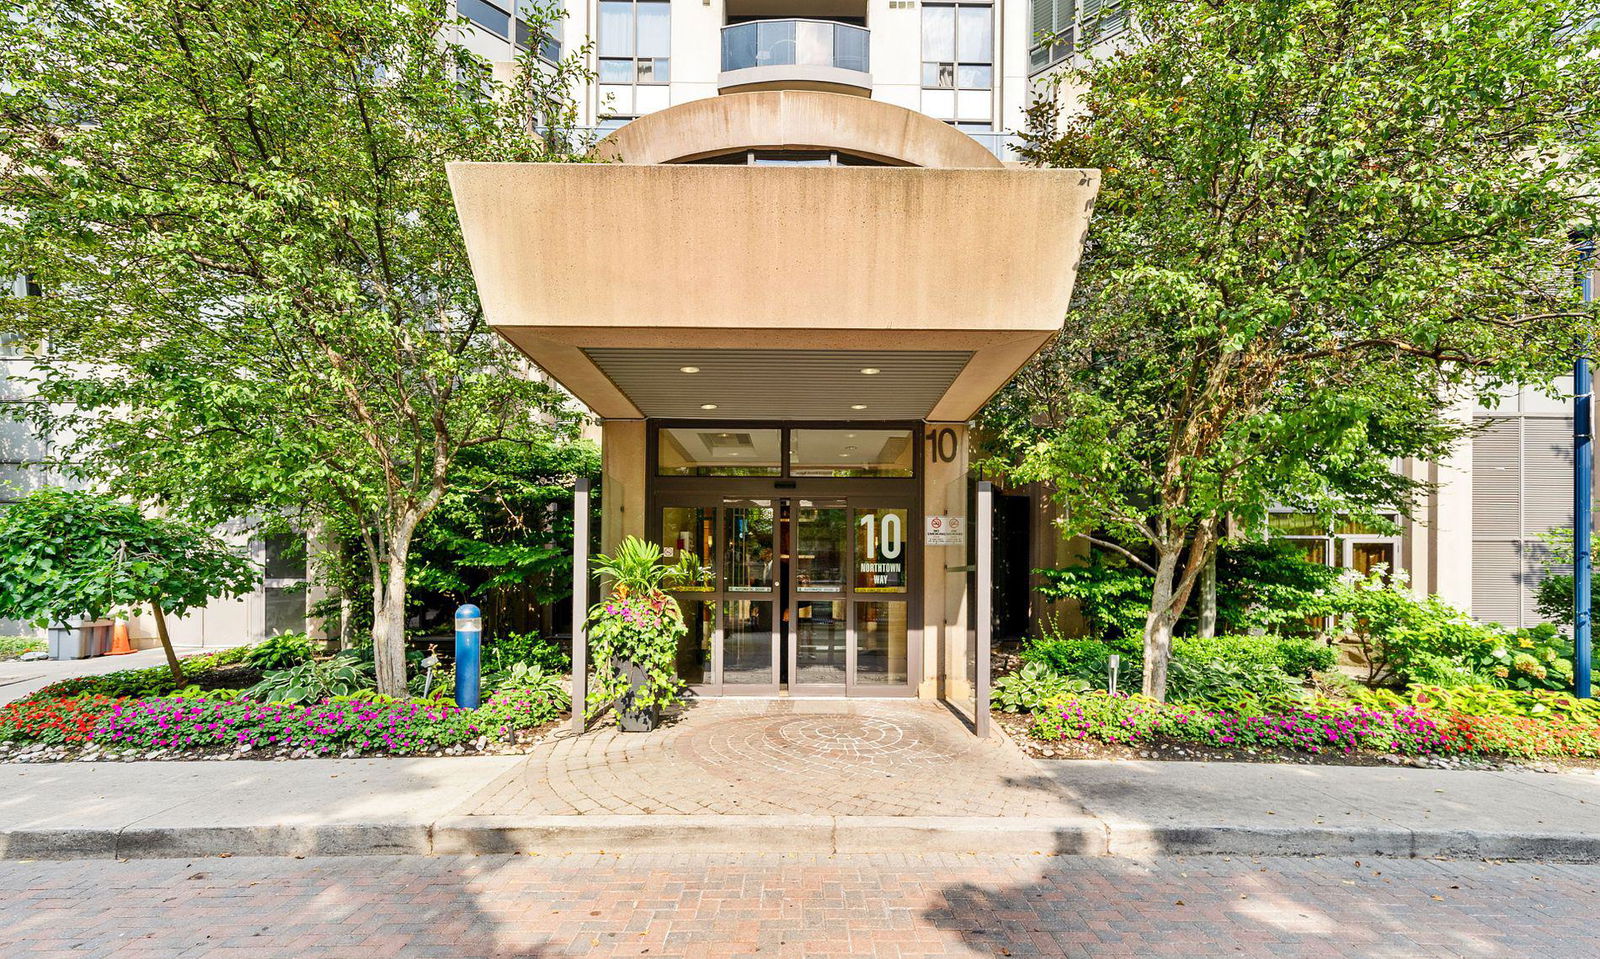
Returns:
<point x="790" y="43"/>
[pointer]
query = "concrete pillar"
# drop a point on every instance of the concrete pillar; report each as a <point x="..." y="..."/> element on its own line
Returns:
<point x="946" y="634"/>
<point x="1443" y="564"/>
<point x="622" y="484"/>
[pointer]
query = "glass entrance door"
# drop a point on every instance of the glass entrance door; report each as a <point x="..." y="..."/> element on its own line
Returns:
<point x="808" y="594"/>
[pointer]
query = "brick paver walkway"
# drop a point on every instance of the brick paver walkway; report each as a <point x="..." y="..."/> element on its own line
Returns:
<point x="784" y="756"/>
<point x="684" y="906"/>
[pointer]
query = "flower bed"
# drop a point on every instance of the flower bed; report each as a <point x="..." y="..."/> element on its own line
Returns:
<point x="1337" y="730"/>
<point x="201" y="726"/>
<point x="54" y="721"/>
<point x="1133" y="720"/>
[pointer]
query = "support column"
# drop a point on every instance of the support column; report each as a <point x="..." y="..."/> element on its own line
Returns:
<point x="946" y="640"/>
<point x="622" y="486"/>
<point x="580" y="603"/>
<point x="983" y="613"/>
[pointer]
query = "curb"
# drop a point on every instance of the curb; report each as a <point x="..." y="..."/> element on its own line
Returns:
<point x="811" y="835"/>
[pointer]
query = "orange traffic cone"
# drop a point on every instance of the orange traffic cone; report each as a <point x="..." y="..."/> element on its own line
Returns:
<point x="120" y="646"/>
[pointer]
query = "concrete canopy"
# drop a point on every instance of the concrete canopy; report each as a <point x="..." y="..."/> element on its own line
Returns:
<point x="578" y="262"/>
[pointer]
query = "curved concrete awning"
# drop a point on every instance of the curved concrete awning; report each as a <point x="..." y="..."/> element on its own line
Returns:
<point x="794" y="119"/>
<point x="780" y="284"/>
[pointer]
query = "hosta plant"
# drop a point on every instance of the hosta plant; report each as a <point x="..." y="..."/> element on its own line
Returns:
<point x="1030" y="687"/>
<point x="313" y="682"/>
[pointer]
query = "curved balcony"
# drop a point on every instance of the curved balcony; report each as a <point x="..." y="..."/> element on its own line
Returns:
<point x="795" y="54"/>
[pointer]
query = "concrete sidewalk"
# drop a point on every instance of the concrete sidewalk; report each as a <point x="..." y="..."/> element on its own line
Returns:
<point x="1134" y="809"/>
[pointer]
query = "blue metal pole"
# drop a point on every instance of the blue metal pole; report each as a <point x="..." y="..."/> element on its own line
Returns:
<point x="1582" y="499"/>
<point x="469" y="638"/>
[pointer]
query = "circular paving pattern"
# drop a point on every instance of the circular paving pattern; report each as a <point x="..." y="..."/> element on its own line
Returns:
<point x="823" y="745"/>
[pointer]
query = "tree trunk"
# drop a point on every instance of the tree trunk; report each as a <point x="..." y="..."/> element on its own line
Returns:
<point x="166" y="643"/>
<point x="1208" y="599"/>
<point x="389" y="613"/>
<point x="1158" y="625"/>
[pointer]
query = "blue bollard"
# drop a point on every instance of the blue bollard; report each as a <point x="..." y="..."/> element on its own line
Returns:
<point x="469" y="637"/>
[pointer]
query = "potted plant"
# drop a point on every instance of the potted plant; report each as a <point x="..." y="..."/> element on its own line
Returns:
<point x="633" y="637"/>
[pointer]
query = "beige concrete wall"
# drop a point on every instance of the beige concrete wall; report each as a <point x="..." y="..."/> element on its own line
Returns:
<point x="622" y="489"/>
<point x="1449" y="516"/>
<point x="794" y="119"/>
<point x="946" y="627"/>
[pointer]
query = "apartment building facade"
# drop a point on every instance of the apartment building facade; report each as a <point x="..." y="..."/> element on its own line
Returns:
<point x="784" y="359"/>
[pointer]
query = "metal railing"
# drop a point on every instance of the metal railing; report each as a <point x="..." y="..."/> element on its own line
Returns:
<point x="794" y="42"/>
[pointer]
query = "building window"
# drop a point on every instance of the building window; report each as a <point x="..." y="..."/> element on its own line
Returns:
<point x="635" y="42"/>
<point x="1344" y="544"/>
<point x="284" y="562"/>
<point x="549" y="49"/>
<point x="484" y="14"/>
<point x="957" y="46"/>
<point x="958" y="62"/>
<point x="1057" y="27"/>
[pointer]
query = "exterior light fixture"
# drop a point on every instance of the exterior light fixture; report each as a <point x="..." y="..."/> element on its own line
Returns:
<point x="688" y="369"/>
<point x="708" y="406"/>
<point x="871" y="370"/>
<point x="858" y="406"/>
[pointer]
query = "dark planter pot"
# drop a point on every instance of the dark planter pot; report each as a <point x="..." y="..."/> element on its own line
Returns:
<point x="630" y="718"/>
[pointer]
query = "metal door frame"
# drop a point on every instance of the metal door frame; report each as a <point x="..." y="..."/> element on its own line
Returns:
<point x="664" y="492"/>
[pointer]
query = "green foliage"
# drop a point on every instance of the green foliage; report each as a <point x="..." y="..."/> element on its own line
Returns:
<point x="1030" y="687"/>
<point x="638" y="626"/>
<point x="1553" y="597"/>
<point x="1318" y="225"/>
<point x="66" y="552"/>
<point x="534" y="680"/>
<point x="1296" y="656"/>
<point x="502" y="534"/>
<point x="13" y="646"/>
<point x="313" y="681"/>
<point x="1223" y="681"/>
<point x="1431" y="642"/>
<point x="257" y="295"/>
<point x="1482" y="701"/>
<point x="1221" y="669"/>
<point x="150" y="682"/>
<point x="1266" y="586"/>
<point x="1086" y="659"/>
<point x="279" y="652"/>
<point x="511" y="649"/>
<point x="1113" y="596"/>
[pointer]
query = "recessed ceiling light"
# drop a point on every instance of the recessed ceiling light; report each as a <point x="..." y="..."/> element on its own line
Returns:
<point x="848" y="448"/>
<point x="708" y="406"/>
<point x="871" y="370"/>
<point x="858" y="406"/>
<point x="688" y="369"/>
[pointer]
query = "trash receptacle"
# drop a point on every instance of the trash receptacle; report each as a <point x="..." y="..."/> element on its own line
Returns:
<point x="66" y="641"/>
<point x="99" y="641"/>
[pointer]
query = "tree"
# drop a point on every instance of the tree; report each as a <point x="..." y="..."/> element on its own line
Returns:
<point x="66" y="552"/>
<point x="1321" y="224"/>
<point x="257" y="298"/>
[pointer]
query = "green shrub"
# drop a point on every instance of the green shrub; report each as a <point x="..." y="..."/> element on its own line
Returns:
<point x="280" y="652"/>
<point x="1427" y="640"/>
<point x="1261" y="586"/>
<point x="1224" y="682"/>
<point x="506" y="651"/>
<point x="313" y="681"/>
<point x="1298" y="656"/>
<point x="1087" y="659"/>
<point x="1032" y="686"/>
